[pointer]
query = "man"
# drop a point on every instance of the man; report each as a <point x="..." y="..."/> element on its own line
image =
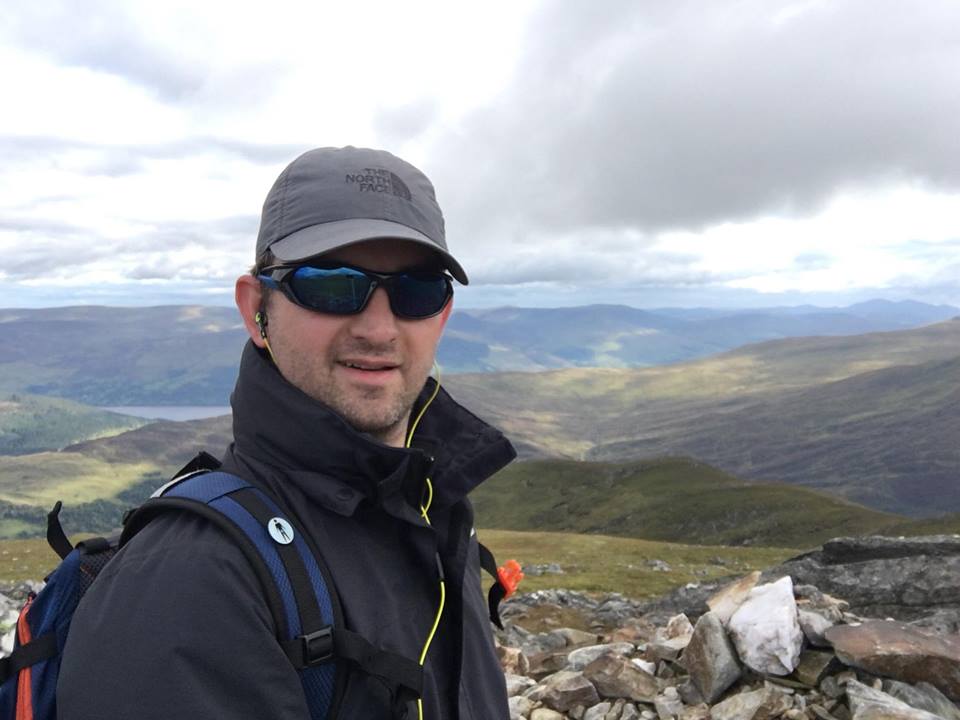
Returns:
<point x="335" y="417"/>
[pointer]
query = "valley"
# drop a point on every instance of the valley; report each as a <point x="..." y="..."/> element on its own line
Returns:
<point x="780" y="443"/>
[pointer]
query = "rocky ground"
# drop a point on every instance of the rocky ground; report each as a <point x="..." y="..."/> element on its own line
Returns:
<point x="757" y="648"/>
<point x="861" y="629"/>
<point x="12" y="598"/>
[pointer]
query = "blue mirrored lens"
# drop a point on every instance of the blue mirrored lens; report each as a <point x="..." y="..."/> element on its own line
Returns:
<point x="332" y="290"/>
<point x="345" y="290"/>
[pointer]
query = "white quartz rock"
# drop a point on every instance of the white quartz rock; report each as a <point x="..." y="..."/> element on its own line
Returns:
<point x="726" y="600"/>
<point x="766" y="630"/>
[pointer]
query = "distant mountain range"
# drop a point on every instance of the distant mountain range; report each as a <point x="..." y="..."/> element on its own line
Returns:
<point x="526" y="339"/>
<point x="872" y="418"/>
<point x="187" y="355"/>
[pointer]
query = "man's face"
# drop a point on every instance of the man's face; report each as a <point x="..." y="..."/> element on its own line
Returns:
<point x="369" y="367"/>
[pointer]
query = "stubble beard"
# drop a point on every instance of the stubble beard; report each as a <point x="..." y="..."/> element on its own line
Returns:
<point x="381" y="412"/>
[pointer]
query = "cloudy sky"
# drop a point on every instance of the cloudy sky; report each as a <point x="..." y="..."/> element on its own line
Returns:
<point x="663" y="152"/>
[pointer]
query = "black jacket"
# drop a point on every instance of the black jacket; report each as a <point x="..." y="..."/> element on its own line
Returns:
<point x="176" y="625"/>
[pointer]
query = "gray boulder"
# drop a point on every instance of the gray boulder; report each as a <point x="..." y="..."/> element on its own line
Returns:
<point x="900" y="652"/>
<point x="867" y="703"/>
<point x="710" y="658"/>
<point x="923" y="696"/>
<point x="915" y="580"/>
<point x="614" y="677"/>
<point x="581" y="657"/>
<point x="567" y="689"/>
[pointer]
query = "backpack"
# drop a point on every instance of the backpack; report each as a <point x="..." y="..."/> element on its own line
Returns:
<point x="295" y="580"/>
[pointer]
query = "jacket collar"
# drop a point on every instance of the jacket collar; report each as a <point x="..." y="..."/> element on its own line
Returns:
<point x="277" y="424"/>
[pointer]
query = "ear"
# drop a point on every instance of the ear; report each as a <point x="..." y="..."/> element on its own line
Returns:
<point x="248" y="295"/>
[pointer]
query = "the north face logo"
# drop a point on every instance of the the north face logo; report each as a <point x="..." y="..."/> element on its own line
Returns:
<point x="380" y="181"/>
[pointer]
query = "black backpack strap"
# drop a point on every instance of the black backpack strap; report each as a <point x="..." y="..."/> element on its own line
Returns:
<point x="29" y="654"/>
<point x="56" y="537"/>
<point x="202" y="461"/>
<point x="504" y="585"/>
<point x="403" y="676"/>
<point x="497" y="592"/>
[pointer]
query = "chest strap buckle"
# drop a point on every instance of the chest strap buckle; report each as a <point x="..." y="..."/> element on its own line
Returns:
<point x="312" y="649"/>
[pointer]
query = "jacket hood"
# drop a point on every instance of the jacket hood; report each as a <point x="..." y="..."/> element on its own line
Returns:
<point x="277" y="424"/>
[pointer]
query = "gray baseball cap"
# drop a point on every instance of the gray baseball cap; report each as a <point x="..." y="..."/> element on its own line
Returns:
<point x="332" y="197"/>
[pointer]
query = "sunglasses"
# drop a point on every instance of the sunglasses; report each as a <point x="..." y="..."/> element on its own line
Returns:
<point x="346" y="290"/>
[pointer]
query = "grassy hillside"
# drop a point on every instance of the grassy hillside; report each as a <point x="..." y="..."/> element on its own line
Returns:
<point x="885" y="438"/>
<point x="165" y="445"/>
<point x="30" y="423"/>
<point x="671" y="499"/>
<point x="872" y="417"/>
<point x="574" y="400"/>
<point x="98" y="480"/>
<point x="600" y="563"/>
<point x="44" y="478"/>
<point x="943" y="525"/>
<point x="590" y="563"/>
<point x="26" y="560"/>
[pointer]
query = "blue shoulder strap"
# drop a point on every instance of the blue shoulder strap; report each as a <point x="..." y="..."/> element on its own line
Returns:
<point x="297" y="584"/>
<point x="297" y="591"/>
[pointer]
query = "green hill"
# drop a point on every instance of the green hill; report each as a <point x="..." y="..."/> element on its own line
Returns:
<point x="31" y="423"/>
<point x="943" y="525"/>
<point x="671" y="499"/>
<point x="97" y="480"/>
<point x="601" y="563"/>
<point x="885" y="438"/>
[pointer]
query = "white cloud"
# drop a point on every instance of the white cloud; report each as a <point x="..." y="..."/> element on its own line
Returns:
<point x="790" y="146"/>
<point x="76" y="102"/>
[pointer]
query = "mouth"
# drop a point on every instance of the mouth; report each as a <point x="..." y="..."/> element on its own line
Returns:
<point x="369" y="366"/>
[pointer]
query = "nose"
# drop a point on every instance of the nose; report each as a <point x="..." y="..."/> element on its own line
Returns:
<point x="376" y="324"/>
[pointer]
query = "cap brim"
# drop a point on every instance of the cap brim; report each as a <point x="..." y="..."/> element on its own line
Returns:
<point x="318" y="239"/>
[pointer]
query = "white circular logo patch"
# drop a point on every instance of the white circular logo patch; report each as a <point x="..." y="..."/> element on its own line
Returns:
<point x="280" y="530"/>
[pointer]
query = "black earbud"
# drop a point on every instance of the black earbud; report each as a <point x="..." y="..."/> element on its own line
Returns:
<point x="261" y="320"/>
